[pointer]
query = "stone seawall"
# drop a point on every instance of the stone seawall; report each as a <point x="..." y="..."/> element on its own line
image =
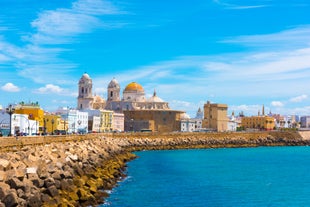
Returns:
<point x="76" y="171"/>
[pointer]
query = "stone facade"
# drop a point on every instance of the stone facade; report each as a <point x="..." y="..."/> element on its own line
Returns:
<point x="215" y="116"/>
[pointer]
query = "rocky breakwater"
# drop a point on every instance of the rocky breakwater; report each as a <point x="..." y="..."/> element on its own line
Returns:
<point x="75" y="173"/>
<point x="61" y="174"/>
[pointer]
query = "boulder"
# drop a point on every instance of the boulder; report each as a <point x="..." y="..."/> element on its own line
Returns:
<point x="10" y="200"/>
<point x="4" y="189"/>
<point x="5" y="165"/>
<point x="15" y="183"/>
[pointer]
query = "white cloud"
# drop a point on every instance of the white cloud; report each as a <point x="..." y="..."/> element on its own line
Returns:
<point x="235" y="6"/>
<point x="10" y="87"/>
<point x="297" y="37"/>
<point x="277" y="104"/>
<point x="299" y="98"/>
<point x="50" y="88"/>
<point x="95" y="7"/>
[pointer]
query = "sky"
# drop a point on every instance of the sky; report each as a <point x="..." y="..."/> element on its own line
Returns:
<point x="241" y="53"/>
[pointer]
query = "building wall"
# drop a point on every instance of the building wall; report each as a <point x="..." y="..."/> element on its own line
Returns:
<point x="155" y="120"/>
<point x="258" y="122"/>
<point x="52" y="123"/>
<point x="305" y="122"/>
<point x="215" y="116"/>
<point x="106" y="119"/>
<point x="118" y="122"/>
<point x="33" y="111"/>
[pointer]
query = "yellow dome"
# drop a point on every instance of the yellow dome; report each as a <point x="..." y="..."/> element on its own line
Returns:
<point x="133" y="86"/>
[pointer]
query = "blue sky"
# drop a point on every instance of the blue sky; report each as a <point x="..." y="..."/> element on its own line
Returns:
<point x="242" y="53"/>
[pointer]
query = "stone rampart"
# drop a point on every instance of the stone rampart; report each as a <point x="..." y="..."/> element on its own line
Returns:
<point x="74" y="170"/>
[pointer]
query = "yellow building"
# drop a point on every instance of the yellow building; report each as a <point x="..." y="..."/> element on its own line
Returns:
<point x="106" y="121"/>
<point x="258" y="122"/>
<point x="53" y="124"/>
<point x="33" y="111"/>
<point x="153" y="120"/>
<point x="215" y="116"/>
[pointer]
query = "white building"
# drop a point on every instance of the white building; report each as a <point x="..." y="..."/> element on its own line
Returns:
<point x="77" y="121"/>
<point x="118" y="122"/>
<point x="21" y="125"/>
<point x="187" y="125"/>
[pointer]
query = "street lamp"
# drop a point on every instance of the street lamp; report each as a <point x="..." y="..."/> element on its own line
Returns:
<point x="10" y="110"/>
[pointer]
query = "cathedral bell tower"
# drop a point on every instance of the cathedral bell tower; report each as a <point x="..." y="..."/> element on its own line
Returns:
<point x="113" y="91"/>
<point x="85" y="97"/>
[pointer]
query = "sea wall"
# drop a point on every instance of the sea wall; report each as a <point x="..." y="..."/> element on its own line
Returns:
<point x="75" y="171"/>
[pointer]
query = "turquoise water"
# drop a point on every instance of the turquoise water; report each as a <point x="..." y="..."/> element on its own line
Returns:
<point x="263" y="176"/>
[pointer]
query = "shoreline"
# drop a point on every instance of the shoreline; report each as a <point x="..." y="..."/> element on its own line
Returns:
<point x="78" y="172"/>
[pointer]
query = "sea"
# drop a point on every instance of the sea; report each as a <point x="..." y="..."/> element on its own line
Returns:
<point x="261" y="176"/>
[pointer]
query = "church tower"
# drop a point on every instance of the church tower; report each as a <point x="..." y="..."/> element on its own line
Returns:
<point x="85" y="97"/>
<point x="113" y="91"/>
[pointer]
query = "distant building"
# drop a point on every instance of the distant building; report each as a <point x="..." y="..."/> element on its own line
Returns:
<point x="33" y="111"/>
<point x="187" y="124"/>
<point x="153" y="120"/>
<point x="258" y="122"/>
<point x="305" y="122"/>
<point x="133" y="98"/>
<point x="233" y="122"/>
<point x="215" y="116"/>
<point x="118" y="122"/>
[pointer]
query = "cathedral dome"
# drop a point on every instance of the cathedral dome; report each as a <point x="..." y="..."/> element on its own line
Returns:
<point x="134" y="87"/>
<point x="113" y="84"/>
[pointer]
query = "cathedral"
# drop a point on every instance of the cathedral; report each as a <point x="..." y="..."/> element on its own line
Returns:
<point x="133" y="97"/>
<point x="139" y="113"/>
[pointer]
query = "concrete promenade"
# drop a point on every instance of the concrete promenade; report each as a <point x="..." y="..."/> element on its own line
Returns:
<point x="75" y="170"/>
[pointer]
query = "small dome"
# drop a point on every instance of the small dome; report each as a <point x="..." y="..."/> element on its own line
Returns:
<point x="98" y="99"/>
<point x="155" y="98"/>
<point x="134" y="87"/>
<point x="85" y="79"/>
<point x="113" y="84"/>
<point x="85" y="76"/>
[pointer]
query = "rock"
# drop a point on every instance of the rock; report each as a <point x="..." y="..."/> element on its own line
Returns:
<point x="4" y="188"/>
<point x="31" y="170"/>
<point x="4" y="165"/>
<point x="52" y="191"/>
<point x="10" y="200"/>
<point x="49" y="182"/>
<point x="15" y="183"/>
<point x="35" y="201"/>
<point x="2" y="176"/>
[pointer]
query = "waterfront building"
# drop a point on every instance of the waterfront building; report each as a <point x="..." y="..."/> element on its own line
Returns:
<point x="4" y="122"/>
<point x="23" y="126"/>
<point x="74" y="121"/>
<point x="52" y="124"/>
<point x="233" y="122"/>
<point x="305" y="122"/>
<point x="258" y="122"/>
<point x="187" y="124"/>
<point x="33" y="111"/>
<point x="154" y="120"/>
<point x="198" y="120"/>
<point x="106" y="121"/>
<point x="215" y="116"/>
<point x="118" y="122"/>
